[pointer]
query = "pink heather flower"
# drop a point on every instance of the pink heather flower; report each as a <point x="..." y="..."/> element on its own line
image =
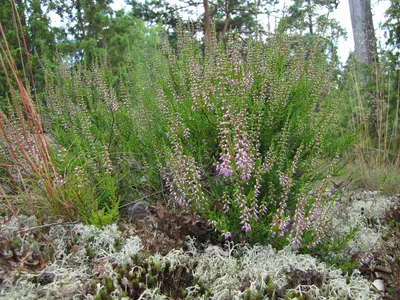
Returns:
<point x="225" y="167"/>
<point x="229" y="81"/>
<point x="320" y="233"/>
<point x="267" y="164"/>
<point x="186" y="133"/>
<point x="59" y="180"/>
<point x="263" y="209"/>
<point x="226" y="202"/>
<point x="246" y="227"/>
<point x="299" y="223"/>
<point x="248" y="81"/>
<point x="113" y="106"/>
<point x="243" y="162"/>
<point x="226" y="235"/>
<point x="284" y="180"/>
<point x="296" y="159"/>
<point x="315" y="244"/>
<point x="315" y="214"/>
<point x="284" y="226"/>
<point x="225" y="208"/>
<point x="296" y="242"/>
<point x="246" y="217"/>
<point x="244" y="158"/>
<point x="212" y="223"/>
<point x="254" y="210"/>
<point x="367" y="259"/>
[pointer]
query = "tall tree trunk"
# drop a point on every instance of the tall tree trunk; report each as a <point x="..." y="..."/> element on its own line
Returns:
<point x="366" y="55"/>
<point x="310" y="21"/>
<point x="227" y="18"/>
<point x="363" y="31"/>
<point x="207" y="22"/>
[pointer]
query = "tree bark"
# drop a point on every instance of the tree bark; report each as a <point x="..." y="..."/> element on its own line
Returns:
<point x="366" y="55"/>
<point x="363" y="31"/>
<point x="310" y="21"/>
<point x="227" y="18"/>
<point x="207" y="22"/>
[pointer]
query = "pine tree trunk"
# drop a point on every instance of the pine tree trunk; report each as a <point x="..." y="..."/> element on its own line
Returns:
<point x="363" y="31"/>
<point x="207" y="22"/>
<point x="227" y="18"/>
<point x="366" y="55"/>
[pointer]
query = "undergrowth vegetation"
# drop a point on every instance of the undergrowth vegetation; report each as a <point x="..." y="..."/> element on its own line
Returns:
<point x="249" y="132"/>
<point x="115" y="268"/>
<point x="373" y="111"/>
<point x="240" y="133"/>
<point x="246" y="135"/>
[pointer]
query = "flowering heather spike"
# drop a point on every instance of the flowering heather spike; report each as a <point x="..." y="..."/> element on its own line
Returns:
<point x="212" y="224"/>
<point x="284" y="180"/>
<point x="284" y="226"/>
<point x="234" y="55"/>
<point x="244" y="152"/>
<point x="225" y="168"/>
<point x="243" y="163"/>
<point x="226" y="203"/>
<point x="248" y="81"/>
<point x="246" y="227"/>
<point x="299" y="222"/>
<point x="247" y="211"/>
<point x="296" y="159"/>
<point x="367" y="259"/>
<point x="268" y="162"/>
<point x="296" y="244"/>
<point x="320" y="233"/>
<point x="184" y="184"/>
<point x="226" y="235"/>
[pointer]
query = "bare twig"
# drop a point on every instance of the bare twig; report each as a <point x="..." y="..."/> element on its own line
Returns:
<point x="48" y="225"/>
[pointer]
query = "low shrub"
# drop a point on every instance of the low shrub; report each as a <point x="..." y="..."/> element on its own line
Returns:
<point x="250" y="134"/>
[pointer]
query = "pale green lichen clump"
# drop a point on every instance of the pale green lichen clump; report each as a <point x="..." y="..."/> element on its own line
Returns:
<point x="364" y="211"/>
<point x="224" y="274"/>
<point x="220" y="274"/>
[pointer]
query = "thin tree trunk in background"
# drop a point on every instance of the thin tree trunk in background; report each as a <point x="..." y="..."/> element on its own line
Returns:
<point x="310" y="22"/>
<point x="366" y="55"/>
<point x="363" y="31"/>
<point x="227" y="18"/>
<point x="207" y="22"/>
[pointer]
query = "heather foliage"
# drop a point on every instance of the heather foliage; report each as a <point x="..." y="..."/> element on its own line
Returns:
<point x="92" y="119"/>
<point x="84" y="129"/>
<point x="87" y="150"/>
<point x="249" y="130"/>
<point x="240" y="133"/>
<point x="100" y="150"/>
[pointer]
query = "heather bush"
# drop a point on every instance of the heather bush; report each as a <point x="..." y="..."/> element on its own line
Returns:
<point x="250" y="134"/>
<point x="100" y="138"/>
<point x="92" y="120"/>
<point x="243" y="133"/>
